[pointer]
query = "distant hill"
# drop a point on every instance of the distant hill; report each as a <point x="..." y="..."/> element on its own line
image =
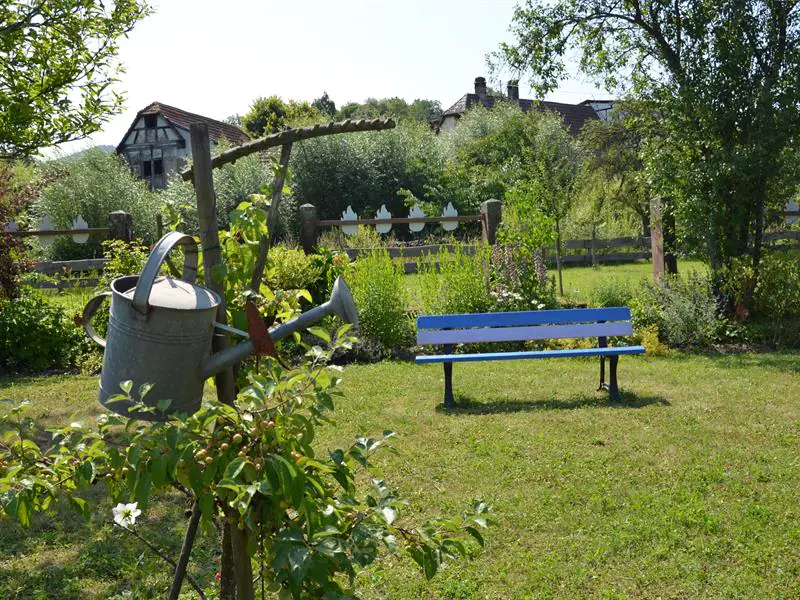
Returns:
<point x="107" y="148"/>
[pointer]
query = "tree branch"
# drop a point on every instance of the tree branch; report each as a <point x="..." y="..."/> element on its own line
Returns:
<point x="164" y="557"/>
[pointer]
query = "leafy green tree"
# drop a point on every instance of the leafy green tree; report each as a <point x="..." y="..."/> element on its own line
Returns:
<point x="720" y="79"/>
<point x="269" y="115"/>
<point x="57" y="63"/>
<point x="396" y="108"/>
<point x="93" y="185"/>
<point x="553" y="162"/>
<point x="325" y="105"/>
<point x="614" y="162"/>
<point x="365" y="170"/>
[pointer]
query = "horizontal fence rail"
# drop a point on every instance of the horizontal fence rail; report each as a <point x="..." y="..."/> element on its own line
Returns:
<point x="399" y="221"/>
<point x="50" y="232"/>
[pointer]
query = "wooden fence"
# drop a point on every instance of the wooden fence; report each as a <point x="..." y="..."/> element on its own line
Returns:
<point x="120" y="226"/>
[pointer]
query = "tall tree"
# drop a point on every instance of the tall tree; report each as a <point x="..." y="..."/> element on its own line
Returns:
<point x="721" y="78"/>
<point x="57" y="63"/>
<point x="325" y="105"/>
<point x="269" y="115"/>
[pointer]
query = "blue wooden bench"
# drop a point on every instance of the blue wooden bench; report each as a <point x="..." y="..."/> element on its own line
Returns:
<point x="602" y="323"/>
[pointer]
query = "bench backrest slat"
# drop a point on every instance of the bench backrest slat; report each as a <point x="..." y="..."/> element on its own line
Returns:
<point x="517" y="319"/>
<point x="511" y="334"/>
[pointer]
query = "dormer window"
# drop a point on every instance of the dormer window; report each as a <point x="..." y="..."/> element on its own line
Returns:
<point x="150" y="121"/>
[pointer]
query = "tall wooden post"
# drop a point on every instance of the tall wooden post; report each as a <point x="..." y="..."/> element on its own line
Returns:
<point x="308" y="227"/>
<point x="492" y="215"/>
<point x="121" y="225"/>
<point x="656" y="238"/>
<point x="225" y="382"/>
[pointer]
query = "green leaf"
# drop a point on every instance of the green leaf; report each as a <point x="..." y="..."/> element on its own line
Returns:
<point x="207" y="506"/>
<point x="234" y="468"/>
<point x="80" y="505"/>
<point x="158" y="470"/>
<point x="142" y="492"/>
<point x="475" y="534"/>
<point x="126" y="386"/>
<point x="320" y="333"/>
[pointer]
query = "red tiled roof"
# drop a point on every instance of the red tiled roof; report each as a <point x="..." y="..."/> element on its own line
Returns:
<point x="575" y="115"/>
<point x="216" y="129"/>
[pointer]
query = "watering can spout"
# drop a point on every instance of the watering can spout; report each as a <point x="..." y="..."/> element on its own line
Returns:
<point x="340" y="304"/>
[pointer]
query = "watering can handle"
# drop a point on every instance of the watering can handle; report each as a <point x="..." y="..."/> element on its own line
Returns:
<point x="88" y="314"/>
<point x="157" y="257"/>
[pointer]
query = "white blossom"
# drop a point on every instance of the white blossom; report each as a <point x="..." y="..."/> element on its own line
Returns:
<point x="125" y="514"/>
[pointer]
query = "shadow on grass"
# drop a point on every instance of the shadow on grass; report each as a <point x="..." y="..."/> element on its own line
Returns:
<point x="467" y="405"/>
<point x="788" y="362"/>
<point x="83" y="559"/>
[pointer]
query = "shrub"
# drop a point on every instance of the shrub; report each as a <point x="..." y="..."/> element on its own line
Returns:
<point x="612" y="292"/>
<point x="460" y="285"/>
<point x="95" y="184"/>
<point x="519" y="280"/>
<point x="332" y="264"/>
<point x="233" y="184"/>
<point x="777" y="291"/>
<point x="123" y="259"/>
<point x="291" y="269"/>
<point x="683" y="309"/>
<point x="365" y="170"/>
<point x="35" y="335"/>
<point x="380" y="295"/>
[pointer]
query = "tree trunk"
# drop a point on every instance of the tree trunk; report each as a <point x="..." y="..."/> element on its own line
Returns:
<point x="241" y="563"/>
<point x="670" y="237"/>
<point x="227" y="584"/>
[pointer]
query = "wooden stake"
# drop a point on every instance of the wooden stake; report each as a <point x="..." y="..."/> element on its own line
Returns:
<point x="272" y="217"/>
<point x="209" y="240"/>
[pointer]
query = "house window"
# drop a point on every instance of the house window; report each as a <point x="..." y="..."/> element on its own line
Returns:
<point x="152" y="167"/>
<point x="150" y="121"/>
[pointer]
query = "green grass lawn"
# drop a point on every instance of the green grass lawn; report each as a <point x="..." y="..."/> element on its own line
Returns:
<point x="689" y="488"/>
<point x="580" y="281"/>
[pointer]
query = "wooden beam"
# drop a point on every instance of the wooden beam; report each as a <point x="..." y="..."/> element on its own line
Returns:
<point x="292" y="135"/>
<point x="399" y="221"/>
<point x="46" y="232"/>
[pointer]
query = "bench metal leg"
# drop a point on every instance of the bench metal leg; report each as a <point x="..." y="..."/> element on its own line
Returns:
<point x="602" y="374"/>
<point x="613" y="390"/>
<point x="449" y="402"/>
<point x="602" y="342"/>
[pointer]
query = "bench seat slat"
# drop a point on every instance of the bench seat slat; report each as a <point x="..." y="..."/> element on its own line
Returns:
<point x="510" y="334"/>
<point x="522" y="318"/>
<point x="618" y="351"/>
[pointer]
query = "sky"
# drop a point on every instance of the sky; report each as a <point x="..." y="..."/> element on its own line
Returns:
<point x="213" y="57"/>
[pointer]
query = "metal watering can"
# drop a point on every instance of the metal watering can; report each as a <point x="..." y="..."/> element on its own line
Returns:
<point x="160" y="331"/>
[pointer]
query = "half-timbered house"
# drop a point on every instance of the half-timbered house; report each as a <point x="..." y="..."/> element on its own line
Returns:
<point x="158" y="144"/>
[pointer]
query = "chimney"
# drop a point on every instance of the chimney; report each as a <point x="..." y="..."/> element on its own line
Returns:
<point x="480" y="88"/>
<point x="513" y="90"/>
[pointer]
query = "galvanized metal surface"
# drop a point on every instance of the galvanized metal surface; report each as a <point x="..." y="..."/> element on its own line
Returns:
<point x="165" y="340"/>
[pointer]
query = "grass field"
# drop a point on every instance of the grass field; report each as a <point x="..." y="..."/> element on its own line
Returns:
<point x="580" y="281"/>
<point x="687" y="489"/>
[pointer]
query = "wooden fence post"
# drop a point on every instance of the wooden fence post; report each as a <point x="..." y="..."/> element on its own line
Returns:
<point x="656" y="239"/>
<point x="309" y="229"/>
<point x="492" y="214"/>
<point x="121" y="225"/>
